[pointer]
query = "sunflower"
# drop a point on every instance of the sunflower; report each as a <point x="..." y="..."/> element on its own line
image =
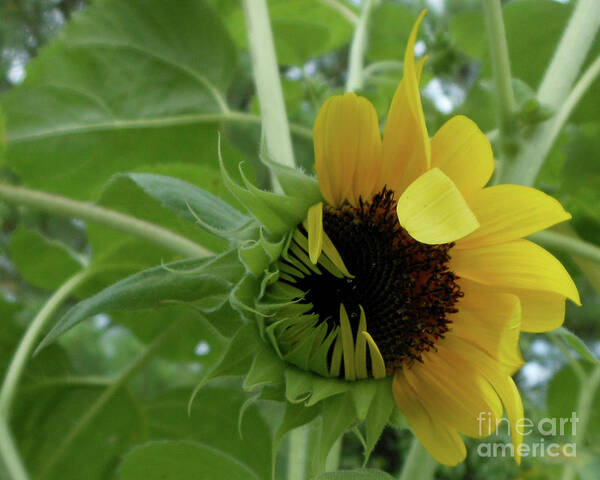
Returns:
<point x="411" y="268"/>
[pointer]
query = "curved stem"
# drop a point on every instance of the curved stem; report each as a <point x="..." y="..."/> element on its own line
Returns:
<point x="342" y="9"/>
<point x="418" y="464"/>
<point x="500" y="70"/>
<point x="268" y="85"/>
<point x="8" y="451"/>
<point x="573" y="245"/>
<point x="130" y="371"/>
<point x="119" y="221"/>
<point x="530" y="160"/>
<point x="185" y="119"/>
<point x="357" y="49"/>
<point x="570" y="54"/>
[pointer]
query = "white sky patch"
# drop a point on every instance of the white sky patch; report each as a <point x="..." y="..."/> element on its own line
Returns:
<point x="535" y="373"/>
<point x="437" y="5"/>
<point x="435" y="92"/>
<point x="101" y="321"/>
<point x="203" y="348"/>
<point x="420" y="48"/>
<point x="540" y="347"/>
<point x="16" y="71"/>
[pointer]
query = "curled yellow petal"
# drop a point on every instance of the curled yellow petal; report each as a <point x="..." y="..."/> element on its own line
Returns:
<point x="315" y="231"/>
<point x="406" y="147"/>
<point x="433" y="211"/>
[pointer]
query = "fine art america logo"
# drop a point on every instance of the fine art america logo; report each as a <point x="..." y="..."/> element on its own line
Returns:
<point x="557" y="428"/>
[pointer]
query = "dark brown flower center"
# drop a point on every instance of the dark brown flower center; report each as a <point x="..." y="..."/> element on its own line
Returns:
<point x="404" y="286"/>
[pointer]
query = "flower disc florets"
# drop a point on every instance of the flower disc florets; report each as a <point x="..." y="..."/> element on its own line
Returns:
<point x="403" y="286"/>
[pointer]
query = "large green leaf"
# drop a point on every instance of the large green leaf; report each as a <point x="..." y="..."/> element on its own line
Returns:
<point x="207" y="282"/>
<point x="182" y="460"/>
<point x="57" y="443"/>
<point x="124" y="84"/>
<point x="213" y="420"/>
<point x="43" y="262"/>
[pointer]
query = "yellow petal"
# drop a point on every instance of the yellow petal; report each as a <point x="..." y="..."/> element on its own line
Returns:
<point x="315" y="232"/>
<point x="347" y="149"/>
<point x="406" y="148"/>
<point x="516" y="264"/>
<point x="541" y="311"/>
<point x="508" y="212"/>
<point x="441" y="441"/>
<point x="458" y="351"/>
<point x="433" y="211"/>
<point x="454" y="393"/>
<point x="463" y="152"/>
<point x="490" y="321"/>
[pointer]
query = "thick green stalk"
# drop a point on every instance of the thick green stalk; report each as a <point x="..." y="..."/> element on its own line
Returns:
<point x="357" y="49"/>
<point x="501" y="72"/>
<point x="418" y="464"/>
<point x="298" y="450"/>
<point x="267" y="82"/>
<point x="93" y="213"/>
<point x="8" y="450"/>
<point x="528" y="163"/>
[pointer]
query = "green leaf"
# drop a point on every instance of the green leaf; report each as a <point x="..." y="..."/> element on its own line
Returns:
<point x="183" y="281"/>
<point x="184" y="198"/>
<point x="43" y="262"/>
<point x="180" y="460"/>
<point x="576" y="344"/>
<point x="391" y="24"/>
<point x="45" y="417"/>
<point x="559" y="404"/>
<point x="363" y="474"/>
<point x="124" y="84"/>
<point x="194" y="331"/>
<point x="213" y="420"/>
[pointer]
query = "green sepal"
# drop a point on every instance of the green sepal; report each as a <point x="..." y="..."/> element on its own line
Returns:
<point x="380" y="411"/>
<point x="290" y="208"/>
<point x="266" y="369"/>
<point x="338" y="415"/>
<point x="298" y="384"/>
<point x="272" y="222"/>
<point x="323" y="388"/>
<point x="362" y="394"/>
<point x="257" y="255"/>
<point x="243" y="297"/>
<point x="296" y="415"/>
<point x="294" y="181"/>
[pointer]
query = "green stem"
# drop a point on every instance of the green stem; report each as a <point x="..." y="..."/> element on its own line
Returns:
<point x="8" y="450"/>
<point x="333" y="459"/>
<point x="297" y="457"/>
<point x="573" y="245"/>
<point x="501" y="71"/>
<point x="587" y="393"/>
<point x="268" y="85"/>
<point x="342" y="9"/>
<point x="132" y="369"/>
<point x="566" y="352"/>
<point x="530" y="160"/>
<point x="418" y="464"/>
<point x="185" y="119"/>
<point x="358" y="48"/>
<point x="119" y="221"/>
<point x="570" y="54"/>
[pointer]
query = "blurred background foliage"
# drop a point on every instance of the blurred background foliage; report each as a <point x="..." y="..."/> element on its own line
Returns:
<point x="93" y="90"/>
